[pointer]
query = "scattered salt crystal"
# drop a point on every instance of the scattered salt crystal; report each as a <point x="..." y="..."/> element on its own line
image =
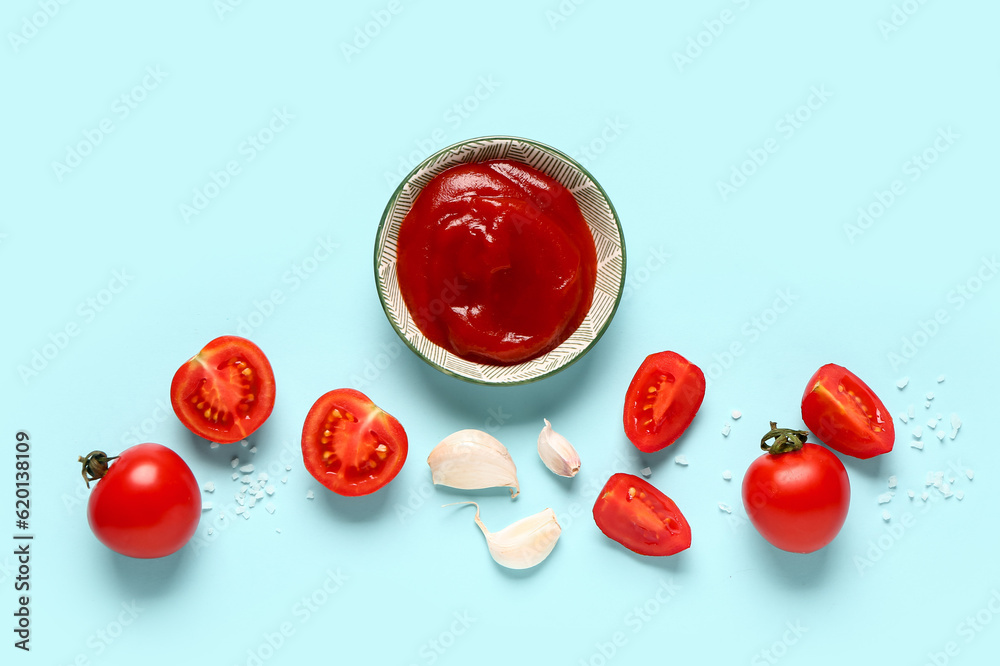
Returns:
<point x="924" y="495"/>
<point x="246" y="515"/>
<point x="940" y="435"/>
<point x="270" y="507"/>
<point x="253" y="502"/>
<point x="211" y="531"/>
<point x="240" y="510"/>
<point x="245" y="478"/>
<point x="222" y="515"/>
<point x="725" y="430"/>
<point x="236" y="475"/>
<point x="240" y="500"/>
<point x="209" y="487"/>
<point x="939" y="417"/>
<point x="254" y="486"/>
<point x="932" y="423"/>
<point x="959" y="495"/>
<point x="278" y="530"/>
<point x="213" y="445"/>
<point x="206" y="506"/>
<point x="246" y="469"/>
<point x="269" y="489"/>
<point x="910" y="493"/>
<point x="927" y="405"/>
<point x="911" y="412"/>
<point x="736" y="414"/>
<point x="901" y="384"/>
<point x="727" y="475"/>
<point x="956" y="423"/>
<point x="253" y="449"/>
<point x="260" y="494"/>
<point x="886" y="516"/>
<point x="918" y="432"/>
<point x="904" y="418"/>
<point x="310" y="495"/>
<point x="645" y="471"/>
<point x="262" y="476"/>
<point x="244" y="443"/>
<point x="234" y="462"/>
<point x="243" y="490"/>
<point x="288" y="468"/>
<point x="885" y="498"/>
<point x="892" y="481"/>
<point x="930" y="395"/>
<point x="284" y="479"/>
<point x="946" y="491"/>
<point x="917" y="444"/>
<point x="940" y="378"/>
<point x="725" y="507"/>
<point x="951" y="479"/>
<point x="969" y="473"/>
<point x="681" y="460"/>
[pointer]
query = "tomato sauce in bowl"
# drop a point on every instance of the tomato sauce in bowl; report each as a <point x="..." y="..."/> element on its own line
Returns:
<point x="495" y="262"/>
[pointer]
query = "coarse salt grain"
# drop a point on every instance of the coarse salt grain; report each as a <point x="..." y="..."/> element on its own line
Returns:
<point x="262" y="476"/>
<point x="236" y="475"/>
<point x="284" y="479"/>
<point x="213" y="445"/>
<point x="911" y="411"/>
<point x="904" y="418"/>
<point x="246" y="478"/>
<point x="886" y="516"/>
<point x="253" y="449"/>
<point x="253" y="502"/>
<point x="892" y="481"/>
<point x="940" y="435"/>
<point x="917" y="444"/>
<point x="930" y="395"/>
<point x="209" y="487"/>
<point x="645" y="471"/>
<point x="269" y="490"/>
<point x="918" y="432"/>
<point x="969" y="473"/>
<point x="206" y="506"/>
<point x="727" y="475"/>
<point x="911" y="494"/>
<point x="932" y="423"/>
<point x="884" y="498"/>
<point x="310" y="495"/>
<point x="681" y="460"/>
<point x="959" y="495"/>
<point x="270" y="507"/>
<point x="246" y="515"/>
<point x="246" y="469"/>
<point x="260" y="494"/>
<point x="240" y="510"/>
<point x="736" y="414"/>
<point x="725" y="507"/>
<point x="940" y="378"/>
<point x="924" y="495"/>
<point x="211" y="531"/>
<point x="288" y="468"/>
<point x="927" y="405"/>
<point x="244" y="443"/>
<point x="901" y="384"/>
<point x="234" y="462"/>
<point x="725" y="430"/>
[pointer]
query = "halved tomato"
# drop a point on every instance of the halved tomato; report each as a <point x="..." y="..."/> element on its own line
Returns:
<point x="845" y="414"/>
<point x="350" y="445"/>
<point x="634" y="513"/>
<point x="662" y="400"/>
<point x="225" y="392"/>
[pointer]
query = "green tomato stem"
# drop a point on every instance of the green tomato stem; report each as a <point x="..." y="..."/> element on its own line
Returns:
<point x="785" y="440"/>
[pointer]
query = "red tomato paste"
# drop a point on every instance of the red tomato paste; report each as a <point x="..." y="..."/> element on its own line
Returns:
<point x="495" y="262"/>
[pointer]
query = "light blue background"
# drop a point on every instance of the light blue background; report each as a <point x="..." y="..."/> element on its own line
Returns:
<point x="605" y="86"/>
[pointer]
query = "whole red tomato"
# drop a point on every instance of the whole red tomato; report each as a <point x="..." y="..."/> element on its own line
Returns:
<point x="146" y="502"/>
<point x="797" y="494"/>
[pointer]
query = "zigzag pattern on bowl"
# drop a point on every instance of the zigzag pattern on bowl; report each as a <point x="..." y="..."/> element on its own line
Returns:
<point x="596" y="211"/>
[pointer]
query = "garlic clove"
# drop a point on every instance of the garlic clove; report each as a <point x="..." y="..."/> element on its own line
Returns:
<point x="557" y="453"/>
<point x="525" y="543"/>
<point x="471" y="460"/>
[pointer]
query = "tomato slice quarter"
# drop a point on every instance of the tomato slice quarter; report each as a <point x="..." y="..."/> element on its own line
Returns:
<point x="634" y="513"/>
<point x="350" y="445"/>
<point x="225" y="392"/>
<point x="845" y="414"/>
<point x="662" y="399"/>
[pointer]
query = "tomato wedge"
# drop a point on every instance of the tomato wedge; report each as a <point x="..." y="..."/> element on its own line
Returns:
<point x="845" y="414"/>
<point x="662" y="400"/>
<point x="632" y="512"/>
<point x="225" y="392"/>
<point x="350" y="445"/>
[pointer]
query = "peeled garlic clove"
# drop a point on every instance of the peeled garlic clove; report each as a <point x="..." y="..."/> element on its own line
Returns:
<point x="471" y="460"/>
<point x="557" y="453"/>
<point x="525" y="543"/>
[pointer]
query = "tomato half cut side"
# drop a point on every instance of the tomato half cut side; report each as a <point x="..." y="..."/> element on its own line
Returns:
<point x="634" y="513"/>
<point x="665" y="394"/>
<point x="350" y="445"/>
<point x="845" y="414"/>
<point x="225" y="392"/>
